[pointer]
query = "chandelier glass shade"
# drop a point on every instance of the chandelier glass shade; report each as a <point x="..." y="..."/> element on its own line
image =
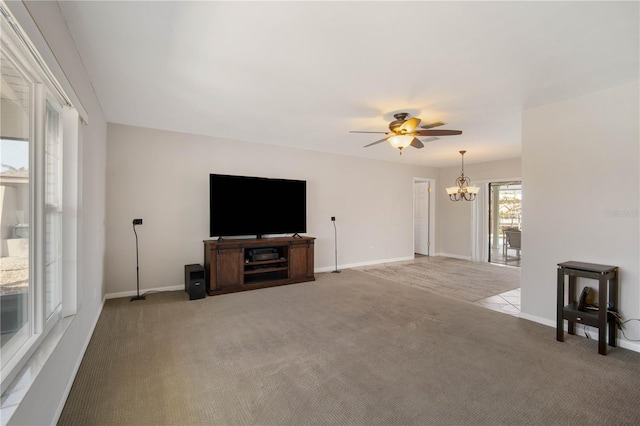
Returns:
<point x="400" y="141"/>
<point x="463" y="189"/>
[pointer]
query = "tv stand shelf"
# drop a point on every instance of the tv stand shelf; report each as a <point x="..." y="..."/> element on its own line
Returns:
<point x="229" y="267"/>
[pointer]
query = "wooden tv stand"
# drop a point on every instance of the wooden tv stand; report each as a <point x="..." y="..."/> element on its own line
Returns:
<point x="229" y="266"/>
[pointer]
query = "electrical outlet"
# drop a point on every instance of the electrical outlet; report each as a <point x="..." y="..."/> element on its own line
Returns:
<point x="137" y="221"/>
<point x="333" y="218"/>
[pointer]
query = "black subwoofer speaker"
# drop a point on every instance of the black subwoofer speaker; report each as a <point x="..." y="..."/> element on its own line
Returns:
<point x="194" y="283"/>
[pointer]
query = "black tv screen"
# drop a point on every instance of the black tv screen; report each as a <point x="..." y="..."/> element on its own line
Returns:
<point x="245" y="205"/>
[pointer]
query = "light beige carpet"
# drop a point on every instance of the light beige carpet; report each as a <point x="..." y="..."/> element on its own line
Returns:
<point x="347" y="349"/>
<point x="456" y="278"/>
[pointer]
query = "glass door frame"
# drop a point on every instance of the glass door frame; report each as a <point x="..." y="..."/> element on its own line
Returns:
<point x="497" y="184"/>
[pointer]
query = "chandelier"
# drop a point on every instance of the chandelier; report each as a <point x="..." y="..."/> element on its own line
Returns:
<point x="462" y="190"/>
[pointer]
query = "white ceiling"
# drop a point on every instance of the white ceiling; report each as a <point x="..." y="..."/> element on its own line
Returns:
<point x="302" y="74"/>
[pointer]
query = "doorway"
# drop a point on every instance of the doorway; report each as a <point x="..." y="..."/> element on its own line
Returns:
<point x="423" y="216"/>
<point x="505" y="222"/>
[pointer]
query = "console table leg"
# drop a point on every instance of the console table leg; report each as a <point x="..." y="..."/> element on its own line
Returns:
<point x="560" y="305"/>
<point x="613" y="303"/>
<point x="572" y="298"/>
<point x="602" y="316"/>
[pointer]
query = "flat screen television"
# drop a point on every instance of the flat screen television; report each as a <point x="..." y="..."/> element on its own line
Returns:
<point x="245" y="205"/>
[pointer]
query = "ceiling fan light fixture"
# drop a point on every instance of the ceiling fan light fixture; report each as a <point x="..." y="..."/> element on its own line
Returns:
<point x="400" y="141"/>
<point x="404" y="132"/>
<point x="409" y="125"/>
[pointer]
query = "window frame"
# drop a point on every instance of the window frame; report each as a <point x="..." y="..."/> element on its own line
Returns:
<point x="53" y="208"/>
<point x="16" y="352"/>
<point x="19" y="346"/>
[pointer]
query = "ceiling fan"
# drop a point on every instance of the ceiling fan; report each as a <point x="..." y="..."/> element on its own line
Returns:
<point x="404" y="131"/>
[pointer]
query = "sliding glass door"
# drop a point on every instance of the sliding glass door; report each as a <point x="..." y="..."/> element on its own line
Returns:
<point x="505" y="222"/>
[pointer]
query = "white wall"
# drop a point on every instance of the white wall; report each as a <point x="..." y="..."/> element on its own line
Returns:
<point x="454" y="218"/>
<point x="580" y="162"/>
<point x="163" y="178"/>
<point x="44" y="399"/>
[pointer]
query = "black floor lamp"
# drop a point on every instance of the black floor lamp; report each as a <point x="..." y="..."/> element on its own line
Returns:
<point x="335" y="237"/>
<point x="137" y="296"/>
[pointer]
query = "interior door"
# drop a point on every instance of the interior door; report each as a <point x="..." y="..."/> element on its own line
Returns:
<point x="422" y="198"/>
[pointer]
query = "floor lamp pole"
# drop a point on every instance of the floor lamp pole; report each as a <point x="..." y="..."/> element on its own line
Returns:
<point x="335" y="239"/>
<point x="137" y="296"/>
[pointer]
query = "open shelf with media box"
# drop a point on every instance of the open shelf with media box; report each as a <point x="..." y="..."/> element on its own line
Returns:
<point x="247" y="264"/>
<point x="265" y="264"/>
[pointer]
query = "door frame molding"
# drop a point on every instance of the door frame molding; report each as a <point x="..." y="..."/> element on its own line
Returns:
<point x="431" y="233"/>
<point x="474" y="215"/>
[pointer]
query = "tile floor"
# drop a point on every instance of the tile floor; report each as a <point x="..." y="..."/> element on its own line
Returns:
<point x="507" y="303"/>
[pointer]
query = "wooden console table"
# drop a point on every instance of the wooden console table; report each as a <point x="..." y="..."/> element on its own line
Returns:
<point x="229" y="266"/>
<point x="605" y="275"/>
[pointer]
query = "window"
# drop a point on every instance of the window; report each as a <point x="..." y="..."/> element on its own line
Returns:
<point x="38" y="200"/>
<point x="15" y="206"/>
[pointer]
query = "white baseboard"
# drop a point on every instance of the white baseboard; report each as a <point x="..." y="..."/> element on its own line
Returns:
<point x="539" y="320"/>
<point x="593" y="332"/>
<point x="360" y="264"/>
<point x="632" y="346"/>
<point x="143" y="291"/>
<point x="455" y="256"/>
<point x="316" y="270"/>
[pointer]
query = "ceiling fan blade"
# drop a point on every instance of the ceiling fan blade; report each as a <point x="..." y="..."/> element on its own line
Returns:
<point x="432" y="125"/>
<point x="376" y="142"/>
<point x="416" y="143"/>
<point x="437" y="132"/>
<point x="361" y="131"/>
<point x="409" y="125"/>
